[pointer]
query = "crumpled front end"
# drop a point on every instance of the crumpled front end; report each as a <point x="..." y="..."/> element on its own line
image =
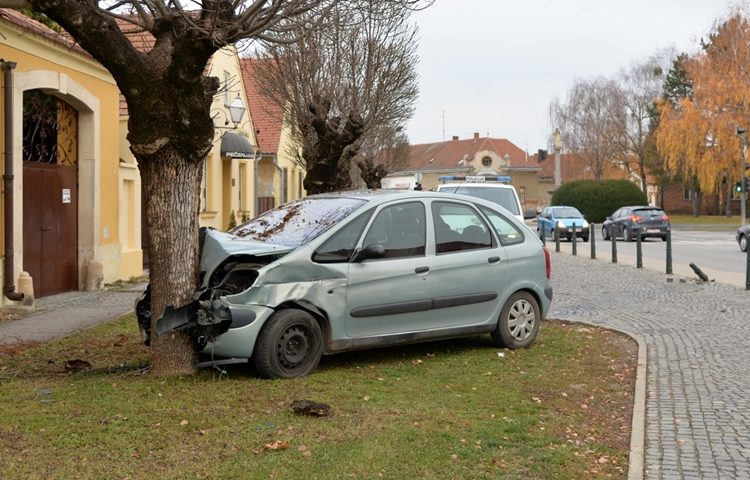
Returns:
<point x="227" y="269"/>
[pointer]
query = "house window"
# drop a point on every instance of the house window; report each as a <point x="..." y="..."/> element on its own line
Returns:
<point x="486" y="161"/>
<point x="227" y="78"/>
<point x="204" y="187"/>
<point x="687" y="194"/>
<point x="284" y="185"/>
<point x="241" y="189"/>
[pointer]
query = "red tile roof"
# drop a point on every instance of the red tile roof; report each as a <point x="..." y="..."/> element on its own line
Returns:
<point x="267" y="116"/>
<point x="573" y="167"/>
<point x="28" y="23"/>
<point x="446" y="155"/>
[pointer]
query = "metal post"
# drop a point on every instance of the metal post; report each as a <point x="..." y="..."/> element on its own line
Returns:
<point x="747" y="270"/>
<point x="557" y="239"/>
<point x="638" y="252"/>
<point x="592" y="239"/>
<point x="544" y="237"/>
<point x="614" y="247"/>
<point x="573" y="239"/>
<point x="669" y="252"/>
<point x="740" y="132"/>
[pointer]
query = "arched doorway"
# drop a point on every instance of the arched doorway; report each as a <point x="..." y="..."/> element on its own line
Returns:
<point x="50" y="192"/>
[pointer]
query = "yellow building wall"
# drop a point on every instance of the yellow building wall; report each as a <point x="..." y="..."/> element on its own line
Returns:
<point x="229" y="186"/>
<point x="88" y="87"/>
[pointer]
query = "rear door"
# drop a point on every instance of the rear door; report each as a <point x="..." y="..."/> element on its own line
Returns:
<point x="468" y="272"/>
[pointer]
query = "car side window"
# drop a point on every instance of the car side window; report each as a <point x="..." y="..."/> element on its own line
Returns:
<point x="458" y="227"/>
<point x="507" y="231"/>
<point x="400" y="229"/>
<point x="340" y="246"/>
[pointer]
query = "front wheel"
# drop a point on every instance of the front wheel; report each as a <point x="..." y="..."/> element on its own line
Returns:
<point x="626" y="234"/>
<point x="605" y="233"/>
<point x="518" y="324"/>
<point x="743" y="243"/>
<point x="289" y="345"/>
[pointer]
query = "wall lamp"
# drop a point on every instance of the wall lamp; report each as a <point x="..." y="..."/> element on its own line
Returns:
<point x="236" y="112"/>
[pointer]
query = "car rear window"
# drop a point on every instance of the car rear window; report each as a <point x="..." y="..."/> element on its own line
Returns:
<point x="505" y="197"/>
<point x="649" y="212"/>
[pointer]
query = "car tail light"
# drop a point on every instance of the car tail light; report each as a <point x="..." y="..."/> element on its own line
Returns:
<point x="665" y="218"/>
<point x="636" y="218"/>
<point x="547" y="263"/>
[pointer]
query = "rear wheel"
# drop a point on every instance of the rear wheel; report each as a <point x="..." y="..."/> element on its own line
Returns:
<point x="743" y="243"/>
<point x="289" y="345"/>
<point x="626" y="234"/>
<point x="519" y="322"/>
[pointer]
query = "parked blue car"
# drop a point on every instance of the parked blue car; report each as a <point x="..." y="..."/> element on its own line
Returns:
<point x="563" y="218"/>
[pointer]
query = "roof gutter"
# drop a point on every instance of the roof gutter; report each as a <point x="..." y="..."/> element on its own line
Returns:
<point x="9" y="287"/>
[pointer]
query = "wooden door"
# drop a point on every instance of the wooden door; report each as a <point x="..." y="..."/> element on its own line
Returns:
<point x="50" y="227"/>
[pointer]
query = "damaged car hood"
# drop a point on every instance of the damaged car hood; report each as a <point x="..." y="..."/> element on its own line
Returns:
<point x="218" y="246"/>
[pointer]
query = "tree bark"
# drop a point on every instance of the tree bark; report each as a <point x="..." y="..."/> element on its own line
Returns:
<point x="171" y="186"/>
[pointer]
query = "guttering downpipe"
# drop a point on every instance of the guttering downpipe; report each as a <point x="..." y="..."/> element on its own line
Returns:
<point x="9" y="288"/>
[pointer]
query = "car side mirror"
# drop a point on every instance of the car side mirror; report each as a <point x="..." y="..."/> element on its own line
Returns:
<point x="370" y="251"/>
<point x="529" y="213"/>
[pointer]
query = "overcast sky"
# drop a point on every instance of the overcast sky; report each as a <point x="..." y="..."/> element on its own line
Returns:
<point x="494" y="66"/>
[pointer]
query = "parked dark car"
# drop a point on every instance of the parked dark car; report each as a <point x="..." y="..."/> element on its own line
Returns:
<point x="629" y="222"/>
<point x="742" y="235"/>
<point x="352" y="270"/>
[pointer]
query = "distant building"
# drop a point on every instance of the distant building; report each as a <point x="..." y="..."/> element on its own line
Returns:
<point x="472" y="156"/>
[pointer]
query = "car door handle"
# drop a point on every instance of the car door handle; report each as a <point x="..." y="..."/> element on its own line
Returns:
<point x="493" y="259"/>
<point x="421" y="269"/>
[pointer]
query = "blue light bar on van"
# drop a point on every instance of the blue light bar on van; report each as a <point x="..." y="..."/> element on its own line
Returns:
<point x="475" y="178"/>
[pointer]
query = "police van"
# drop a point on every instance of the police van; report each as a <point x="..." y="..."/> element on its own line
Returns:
<point x="496" y="189"/>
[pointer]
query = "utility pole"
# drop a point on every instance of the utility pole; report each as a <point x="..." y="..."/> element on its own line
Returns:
<point x="740" y="132"/>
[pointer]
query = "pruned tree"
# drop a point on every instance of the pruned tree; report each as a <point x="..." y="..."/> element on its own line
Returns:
<point x="343" y="87"/>
<point x="386" y="151"/>
<point x="591" y="121"/>
<point x="640" y="87"/>
<point x="696" y="133"/>
<point x="170" y="126"/>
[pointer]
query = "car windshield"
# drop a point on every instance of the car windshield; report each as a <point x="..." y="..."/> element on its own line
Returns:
<point x="504" y="197"/>
<point x="567" y="212"/>
<point x="299" y="222"/>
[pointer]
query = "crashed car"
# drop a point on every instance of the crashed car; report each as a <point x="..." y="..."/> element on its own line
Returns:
<point x="353" y="270"/>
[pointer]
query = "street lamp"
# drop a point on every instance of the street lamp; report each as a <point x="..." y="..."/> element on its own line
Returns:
<point x="236" y="110"/>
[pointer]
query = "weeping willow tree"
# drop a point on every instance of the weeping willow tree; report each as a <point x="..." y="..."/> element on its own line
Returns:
<point x="697" y="132"/>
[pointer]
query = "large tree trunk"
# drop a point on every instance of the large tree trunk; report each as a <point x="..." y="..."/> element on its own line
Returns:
<point x="171" y="186"/>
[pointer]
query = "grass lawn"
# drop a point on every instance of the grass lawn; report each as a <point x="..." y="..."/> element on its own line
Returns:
<point x="448" y="410"/>
<point x="709" y="223"/>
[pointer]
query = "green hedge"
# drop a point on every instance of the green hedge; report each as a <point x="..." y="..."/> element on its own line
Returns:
<point x="596" y="199"/>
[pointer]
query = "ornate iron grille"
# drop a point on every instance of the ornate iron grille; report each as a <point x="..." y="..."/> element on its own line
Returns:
<point x="50" y="129"/>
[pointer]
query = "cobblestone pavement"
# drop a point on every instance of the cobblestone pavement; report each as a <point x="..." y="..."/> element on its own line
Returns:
<point x="60" y="315"/>
<point x="697" y="335"/>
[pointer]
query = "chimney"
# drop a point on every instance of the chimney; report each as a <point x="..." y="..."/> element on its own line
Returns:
<point x="476" y="135"/>
<point x="455" y="138"/>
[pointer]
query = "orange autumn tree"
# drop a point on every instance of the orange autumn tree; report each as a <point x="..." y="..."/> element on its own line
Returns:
<point x="696" y="135"/>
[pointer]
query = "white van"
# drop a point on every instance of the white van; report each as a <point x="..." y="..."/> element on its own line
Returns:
<point x="493" y="188"/>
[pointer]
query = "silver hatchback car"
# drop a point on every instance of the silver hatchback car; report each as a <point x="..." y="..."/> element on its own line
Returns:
<point x="352" y="270"/>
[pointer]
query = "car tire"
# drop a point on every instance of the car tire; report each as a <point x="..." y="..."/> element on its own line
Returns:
<point x="519" y="321"/>
<point x="289" y="345"/>
<point x="605" y="233"/>
<point x="743" y="243"/>
<point x="626" y="234"/>
<point x="585" y="238"/>
<point x="664" y="238"/>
